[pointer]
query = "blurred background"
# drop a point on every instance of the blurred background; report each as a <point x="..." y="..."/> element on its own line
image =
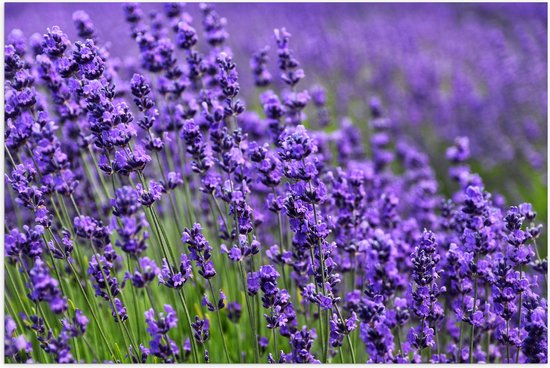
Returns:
<point x="441" y="71"/>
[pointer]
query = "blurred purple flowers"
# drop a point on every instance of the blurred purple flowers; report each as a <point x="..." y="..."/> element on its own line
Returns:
<point x="179" y="185"/>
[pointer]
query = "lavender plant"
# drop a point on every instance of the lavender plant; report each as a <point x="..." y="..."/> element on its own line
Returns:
<point x="159" y="211"/>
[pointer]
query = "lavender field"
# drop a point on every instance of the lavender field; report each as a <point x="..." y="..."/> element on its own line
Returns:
<point x="275" y="183"/>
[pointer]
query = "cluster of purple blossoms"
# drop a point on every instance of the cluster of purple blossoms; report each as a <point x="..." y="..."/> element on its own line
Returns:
<point x="172" y="279"/>
<point x="281" y="311"/>
<point x="201" y="334"/>
<point x="43" y="287"/>
<point x="158" y="327"/>
<point x="199" y="251"/>
<point x="106" y="284"/>
<point x="130" y="222"/>
<point x="426" y="292"/>
<point x="59" y="347"/>
<point x="226" y="211"/>
<point x="147" y="271"/>
<point x="15" y="346"/>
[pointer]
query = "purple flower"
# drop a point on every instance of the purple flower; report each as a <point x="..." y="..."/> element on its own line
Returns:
<point x="201" y="329"/>
<point x="262" y="77"/>
<point x="83" y="24"/>
<point x="186" y="36"/>
<point x="168" y="277"/>
<point x="92" y="229"/>
<point x="27" y="242"/>
<point x="146" y="272"/>
<point x="151" y="195"/>
<point x="187" y="347"/>
<point x="296" y="145"/>
<point x="253" y="283"/>
<point x="125" y="202"/>
<point x="534" y="345"/>
<point x="77" y="326"/>
<point x="340" y="217"/>
<point x="301" y="342"/>
<point x="200" y="250"/>
<point x="234" y="311"/>
<point x="196" y="147"/>
<point x="425" y="304"/>
<point x="15" y="345"/>
<point x="460" y="151"/>
<point x="291" y="75"/>
<point x="43" y="287"/>
<point x="173" y="180"/>
<point x="158" y="326"/>
<point x="339" y="328"/>
<point x="214" y="25"/>
<point x="263" y="343"/>
<point x="55" y="42"/>
<point x="268" y="279"/>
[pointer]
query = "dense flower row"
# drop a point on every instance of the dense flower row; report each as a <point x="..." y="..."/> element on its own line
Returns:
<point x="440" y="68"/>
<point x="152" y="217"/>
<point x="474" y="70"/>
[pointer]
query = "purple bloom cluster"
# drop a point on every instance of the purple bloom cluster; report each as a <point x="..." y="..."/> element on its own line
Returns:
<point x="426" y="293"/>
<point x="199" y="251"/>
<point x="158" y="327"/>
<point x="106" y="284"/>
<point x="226" y="211"/>
<point x="45" y="288"/>
<point x="172" y="279"/>
<point x="147" y="271"/>
<point x="15" y="346"/>
<point x="130" y="222"/>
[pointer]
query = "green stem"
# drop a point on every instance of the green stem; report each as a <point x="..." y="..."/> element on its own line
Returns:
<point x="472" y="330"/>
<point x="322" y="270"/>
<point x="352" y="351"/>
<point x="250" y="316"/>
<point x="398" y="337"/>
<point x="112" y="301"/>
<point x="320" y="322"/>
<point x="161" y="234"/>
<point x="281" y="245"/>
<point x="188" y="318"/>
<point x="135" y="302"/>
<point x="101" y="179"/>
<point x="219" y="323"/>
<point x="172" y="205"/>
<point x="488" y="342"/>
<point x="461" y="331"/>
<point x="507" y="344"/>
<point x="277" y="356"/>
<point x="94" y="353"/>
<point x="519" y="311"/>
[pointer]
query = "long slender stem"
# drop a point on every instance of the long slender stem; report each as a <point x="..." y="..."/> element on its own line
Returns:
<point x="472" y="329"/>
<point x="94" y="316"/>
<point x="507" y="344"/>
<point x="322" y="270"/>
<point x="112" y="301"/>
<point x="219" y="323"/>
<point x="134" y="302"/>
<point x="162" y="238"/>
<point x="320" y="322"/>
<point x="188" y="318"/>
<point x="180" y="293"/>
<point x="352" y="351"/>
<point x="250" y="316"/>
<point x="172" y="205"/>
<point x="398" y="337"/>
<point x="277" y="355"/>
<point x="519" y="310"/>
